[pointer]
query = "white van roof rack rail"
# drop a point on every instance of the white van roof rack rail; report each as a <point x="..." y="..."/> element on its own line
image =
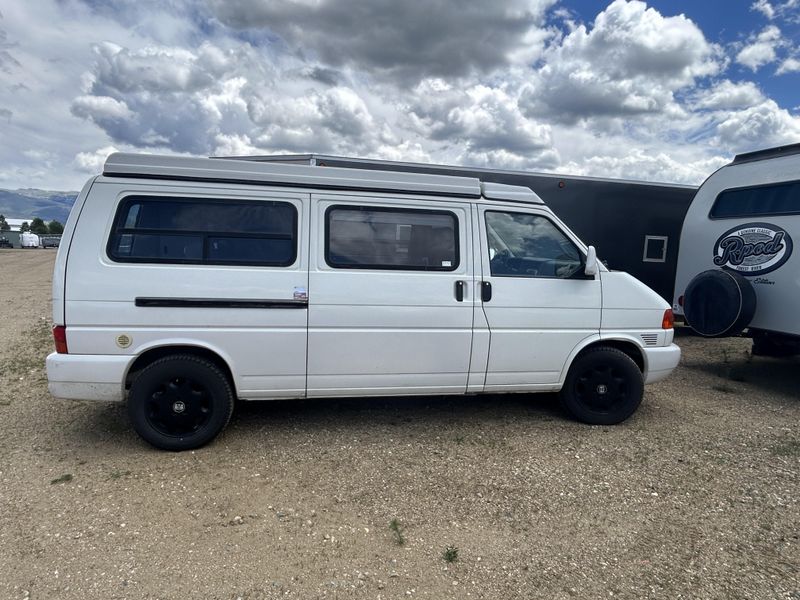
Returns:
<point x="153" y="166"/>
<point x="767" y="153"/>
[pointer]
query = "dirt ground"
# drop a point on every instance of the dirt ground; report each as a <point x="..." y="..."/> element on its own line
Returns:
<point x="696" y="496"/>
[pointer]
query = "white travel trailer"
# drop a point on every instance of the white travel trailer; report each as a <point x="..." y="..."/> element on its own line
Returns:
<point x="182" y="284"/>
<point x="736" y="265"/>
<point x="28" y="240"/>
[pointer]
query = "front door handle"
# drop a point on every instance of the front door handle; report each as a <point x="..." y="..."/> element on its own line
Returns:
<point x="459" y="291"/>
<point x="486" y="291"/>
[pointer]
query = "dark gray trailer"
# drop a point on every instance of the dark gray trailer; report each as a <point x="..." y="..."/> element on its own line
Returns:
<point x="634" y="225"/>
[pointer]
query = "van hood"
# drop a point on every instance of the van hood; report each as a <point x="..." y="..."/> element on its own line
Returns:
<point x="628" y="303"/>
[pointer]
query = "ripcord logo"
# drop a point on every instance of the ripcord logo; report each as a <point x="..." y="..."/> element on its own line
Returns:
<point x="753" y="248"/>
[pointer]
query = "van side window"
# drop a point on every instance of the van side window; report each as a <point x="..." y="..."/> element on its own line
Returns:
<point x="526" y="245"/>
<point x="764" y="200"/>
<point x="360" y="237"/>
<point x="158" y="229"/>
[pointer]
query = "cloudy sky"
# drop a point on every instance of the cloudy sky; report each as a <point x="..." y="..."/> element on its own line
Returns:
<point x="666" y="90"/>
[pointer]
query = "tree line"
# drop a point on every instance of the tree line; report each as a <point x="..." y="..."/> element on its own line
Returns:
<point x="37" y="226"/>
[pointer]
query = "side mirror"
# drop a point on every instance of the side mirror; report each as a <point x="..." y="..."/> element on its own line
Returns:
<point x="591" y="267"/>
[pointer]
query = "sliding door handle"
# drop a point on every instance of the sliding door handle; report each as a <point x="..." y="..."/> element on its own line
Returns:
<point x="459" y="291"/>
<point x="486" y="291"/>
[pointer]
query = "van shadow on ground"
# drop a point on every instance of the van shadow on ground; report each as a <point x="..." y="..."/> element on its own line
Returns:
<point x="433" y="411"/>
<point x="107" y="425"/>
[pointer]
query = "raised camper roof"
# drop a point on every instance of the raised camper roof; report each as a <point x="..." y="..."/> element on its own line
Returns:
<point x="153" y="166"/>
<point x="325" y="160"/>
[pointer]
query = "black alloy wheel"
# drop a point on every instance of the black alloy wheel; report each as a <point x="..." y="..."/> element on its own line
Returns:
<point x="178" y="407"/>
<point x="604" y="386"/>
<point x="180" y="402"/>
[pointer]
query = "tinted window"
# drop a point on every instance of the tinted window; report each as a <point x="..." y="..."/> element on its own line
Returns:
<point x="525" y="245"/>
<point x="204" y="230"/>
<point x="778" y="199"/>
<point x="389" y="238"/>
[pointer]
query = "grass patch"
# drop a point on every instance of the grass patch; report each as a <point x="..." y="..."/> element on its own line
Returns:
<point x="450" y="554"/>
<point x="724" y="388"/>
<point x="787" y="448"/>
<point x="28" y="361"/>
<point x="394" y="525"/>
<point x="63" y="479"/>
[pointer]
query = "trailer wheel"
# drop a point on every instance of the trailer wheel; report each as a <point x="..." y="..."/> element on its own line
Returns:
<point x="603" y="387"/>
<point x="719" y="303"/>
<point x="180" y="402"/>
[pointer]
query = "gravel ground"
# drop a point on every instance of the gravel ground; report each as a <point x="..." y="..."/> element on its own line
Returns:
<point x="696" y="496"/>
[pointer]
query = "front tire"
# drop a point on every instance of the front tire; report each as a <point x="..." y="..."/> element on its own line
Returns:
<point x="180" y="402"/>
<point x="603" y="387"/>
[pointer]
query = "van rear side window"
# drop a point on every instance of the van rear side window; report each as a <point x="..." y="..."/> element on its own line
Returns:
<point x="391" y="238"/>
<point x="764" y="200"/>
<point x="157" y="229"/>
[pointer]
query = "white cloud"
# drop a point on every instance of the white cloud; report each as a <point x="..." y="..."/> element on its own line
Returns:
<point x="329" y="120"/>
<point x="790" y="65"/>
<point x="727" y="95"/>
<point x="92" y="162"/>
<point x="631" y="62"/>
<point x="636" y="93"/>
<point x="167" y="97"/>
<point x="762" y="125"/>
<point x="405" y="41"/>
<point x="480" y="116"/>
<point x="39" y="155"/>
<point x="159" y="69"/>
<point x="645" y="165"/>
<point x="761" y="50"/>
<point x="764" y="7"/>
<point x="100" y="108"/>
<point x="234" y="145"/>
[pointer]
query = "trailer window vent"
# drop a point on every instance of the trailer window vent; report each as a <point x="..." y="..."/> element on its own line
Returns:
<point x="650" y="339"/>
<point x="655" y="248"/>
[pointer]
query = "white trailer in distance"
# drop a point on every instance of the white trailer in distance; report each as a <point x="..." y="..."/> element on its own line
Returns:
<point x="28" y="240"/>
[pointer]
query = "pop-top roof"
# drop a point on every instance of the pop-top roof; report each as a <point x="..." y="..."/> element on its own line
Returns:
<point x="457" y="170"/>
<point x="153" y="166"/>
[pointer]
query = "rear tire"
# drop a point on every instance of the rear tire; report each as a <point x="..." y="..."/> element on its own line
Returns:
<point x="180" y="402"/>
<point x="604" y="386"/>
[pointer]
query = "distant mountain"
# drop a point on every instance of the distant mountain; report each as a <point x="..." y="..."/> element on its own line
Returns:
<point x="28" y="203"/>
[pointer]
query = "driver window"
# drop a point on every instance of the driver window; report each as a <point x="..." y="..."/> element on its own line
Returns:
<point x="526" y="245"/>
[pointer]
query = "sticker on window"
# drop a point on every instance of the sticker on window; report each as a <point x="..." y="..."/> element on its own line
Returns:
<point x="447" y="263"/>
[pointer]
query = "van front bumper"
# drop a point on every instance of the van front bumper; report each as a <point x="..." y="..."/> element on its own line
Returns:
<point x="660" y="362"/>
<point x="87" y="377"/>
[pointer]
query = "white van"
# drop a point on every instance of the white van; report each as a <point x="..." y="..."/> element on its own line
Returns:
<point x="182" y="284"/>
<point x="736" y="266"/>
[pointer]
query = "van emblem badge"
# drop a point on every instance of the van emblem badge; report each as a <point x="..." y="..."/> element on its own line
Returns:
<point x="123" y="340"/>
<point x="753" y="248"/>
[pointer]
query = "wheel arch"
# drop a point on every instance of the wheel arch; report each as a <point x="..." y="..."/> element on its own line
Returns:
<point x="156" y="352"/>
<point x="624" y="344"/>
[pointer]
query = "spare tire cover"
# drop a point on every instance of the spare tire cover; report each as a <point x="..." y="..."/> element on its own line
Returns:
<point x="719" y="303"/>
